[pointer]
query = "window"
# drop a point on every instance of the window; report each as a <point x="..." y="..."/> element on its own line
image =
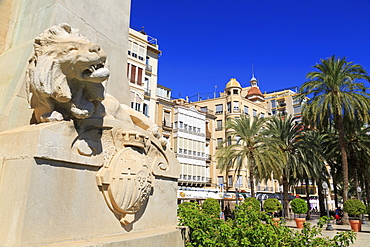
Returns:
<point x="167" y="118"/>
<point x="176" y="125"/>
<point x="140" y="76"/>
<point x="237" y="139"/>
<point x="230" y="181"/>
<point x="198" y="130"/>
<point x="185" y="127"/>
<point x="273" y="112"/>
<point x="246" y="110"/>
<point x="145" y="109"/>
<point x="239" y="182"/>
<point x="254" y="113"/>
<point x="219" y="125"/>
<point x="297" y="109"/>
<point x="141" y="53"/>
<point x="181" y="125"/>
<point x="236" y="106"/>
<point x="273" y="103"/>
<point x="262" y="115"/>
<point x="235" y="91"/>
<point x="229" y="141"/>
<point x="203" y="109"/>
<point x="135" y="49"/>
<point x="219" y="142"/>
<point x="219" y="109"/>
<point x="137" y="106"/>
<point x="220" y="180"/>
<point x="133" y="74"/>
<point x="228" y="106"/>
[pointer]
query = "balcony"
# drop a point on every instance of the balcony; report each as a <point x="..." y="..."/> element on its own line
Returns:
<point x="166" y="125"/>
<point x="148" y="68"/>
<point x="147" y="92"/>
<point x="219" y="128"/>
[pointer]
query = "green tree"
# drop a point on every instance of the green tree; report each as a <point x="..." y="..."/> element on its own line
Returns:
<point x="249" y="150"/>
<point x="299" y="151"/>
<point x="336" y="92"/>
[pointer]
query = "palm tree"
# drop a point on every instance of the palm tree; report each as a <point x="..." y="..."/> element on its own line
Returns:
<point x="336" y="93"/>
<point x="249" y="150"/>
<point x="297" y="148"/>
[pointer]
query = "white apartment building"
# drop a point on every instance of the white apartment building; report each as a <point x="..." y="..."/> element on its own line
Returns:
<point x="142" y="71"/>
<point x="189" y="141"/>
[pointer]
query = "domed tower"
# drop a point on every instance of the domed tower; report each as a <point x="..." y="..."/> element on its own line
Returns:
<point x="233" y="87"/>
<point x="233" y="96"/>
<point x="254" y="93"/>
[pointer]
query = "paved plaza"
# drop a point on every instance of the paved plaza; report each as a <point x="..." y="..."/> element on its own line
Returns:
<point x="362" y="239"/>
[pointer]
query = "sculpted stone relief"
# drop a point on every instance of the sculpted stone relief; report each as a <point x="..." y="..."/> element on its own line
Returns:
<point x="65" y="82"/>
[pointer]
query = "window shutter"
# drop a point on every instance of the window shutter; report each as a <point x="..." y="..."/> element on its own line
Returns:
<point x="133" y="73"/>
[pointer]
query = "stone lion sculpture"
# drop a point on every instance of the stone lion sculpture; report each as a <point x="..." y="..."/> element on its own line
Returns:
<point x="64" y="81"/>
<point x="65" y="75"/>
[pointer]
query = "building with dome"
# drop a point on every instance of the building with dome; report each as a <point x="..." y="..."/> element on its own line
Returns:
<point x="231" y="103"/>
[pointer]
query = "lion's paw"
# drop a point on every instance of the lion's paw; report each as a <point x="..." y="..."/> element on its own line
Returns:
<point x="51" y="117"/>
<point x="80" y="114"/>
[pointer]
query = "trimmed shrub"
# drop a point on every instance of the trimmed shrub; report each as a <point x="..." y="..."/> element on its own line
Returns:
<point x="272" y="205"/>
<point x="354" y="207"/>
<point x="251" y="203"/>
<point x="299" y="206"/>
<point x="211" y="207"/>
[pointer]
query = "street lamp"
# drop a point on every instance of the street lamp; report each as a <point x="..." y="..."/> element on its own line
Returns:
<point x="359" y="190"/>
<point x="329" y="227"/>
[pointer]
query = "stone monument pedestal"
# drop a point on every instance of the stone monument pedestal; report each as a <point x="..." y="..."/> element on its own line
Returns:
<point x="50" y="193"/>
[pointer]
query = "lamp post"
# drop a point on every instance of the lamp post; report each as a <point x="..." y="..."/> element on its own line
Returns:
<point x="359" y="190"/>
<point x="329" y="227"/>
<point x="237" y="195"/>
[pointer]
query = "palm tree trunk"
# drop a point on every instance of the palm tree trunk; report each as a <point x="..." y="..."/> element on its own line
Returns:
<point x="251" y="182"/>
<point x="285" y="195"/>
<point x="321" y="199"/>
<point x="308" y="216"/>
<point x="343" y="150"/>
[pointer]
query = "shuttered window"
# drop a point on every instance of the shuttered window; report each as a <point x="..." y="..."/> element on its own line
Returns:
<point x="133" y="73"/>
<point x="140" y="76"/>
<point x="219" y="109"/>
<point x="167" y="118"/>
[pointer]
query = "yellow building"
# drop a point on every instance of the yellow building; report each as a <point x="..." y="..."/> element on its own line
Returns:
<point x="233" y="102"/>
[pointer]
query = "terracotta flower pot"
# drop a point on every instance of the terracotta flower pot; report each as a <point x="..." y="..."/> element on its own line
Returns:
<point x="355" y="225"/>
<point x="276" y="221"/>
<point x="299" y="222"/>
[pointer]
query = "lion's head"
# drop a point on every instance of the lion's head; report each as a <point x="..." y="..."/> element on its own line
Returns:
<point x="64" y="67"/>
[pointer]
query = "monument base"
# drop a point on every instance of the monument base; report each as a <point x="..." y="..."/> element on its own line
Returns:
<point x="160" y="237"/>
<point x="49" y="195"/>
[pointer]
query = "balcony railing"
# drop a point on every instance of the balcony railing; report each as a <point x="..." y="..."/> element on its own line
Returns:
<point x="149" y="68"/>
<point x="219" y="128"/>
<point x="167" y="125"/>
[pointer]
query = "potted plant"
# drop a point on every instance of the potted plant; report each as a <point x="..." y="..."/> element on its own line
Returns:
<point x="272" y="205"/>
<point x="299" y="206"/>
<point x="354" y="207"/>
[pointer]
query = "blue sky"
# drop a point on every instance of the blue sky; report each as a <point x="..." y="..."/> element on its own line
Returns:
<point x="204" y="43"/>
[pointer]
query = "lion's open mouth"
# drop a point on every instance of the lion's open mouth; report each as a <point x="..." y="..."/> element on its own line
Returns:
<point x="97" y="70"/>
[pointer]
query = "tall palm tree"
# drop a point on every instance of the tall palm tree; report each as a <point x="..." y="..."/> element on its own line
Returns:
<point x="335" y="93"/>
<point x="299" y="152"/>
<point x="249" y="150"/>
